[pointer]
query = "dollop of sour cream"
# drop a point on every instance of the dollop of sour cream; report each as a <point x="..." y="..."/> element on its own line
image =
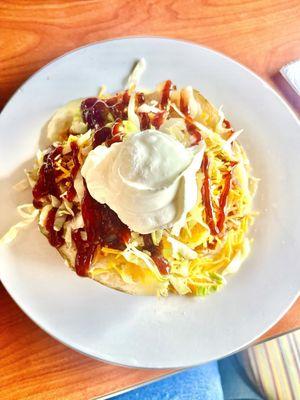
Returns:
<point x="149" y="180"/>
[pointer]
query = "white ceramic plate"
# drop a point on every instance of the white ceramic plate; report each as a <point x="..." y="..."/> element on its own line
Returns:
<point x="146" y="331"/>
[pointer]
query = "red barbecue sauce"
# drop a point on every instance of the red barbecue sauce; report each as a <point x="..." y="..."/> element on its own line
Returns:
<point x="118" y="104"/>
<point x="46" y="184"/>
<point x="115" y="134"/>
<point x="144" y="121"/>
<point x="184" y="107"/>
<point x="113" y="139"/>
<point x="126" y="98"/>
<point x="206" y="197"/>
<point x="116" y="127"/>
<point x="166" y="94"/>
<point x="101" y="136"/>
<point x="96" y="111"/>
<point x="140" y="98"/>
<point x="108" y="135"/>
<point x="155" y="251"/>
<point x="55" y="237"/>
<point x="102" y="226"/>
<point x="144" y="117"/>
<point x="85" y="253"/>
<point x="223" y="201"/>
<point x="193" y="131"/>
<point x="158" y="119"/>
<point x="227" y="124"/>
<point x="71" y="193"/>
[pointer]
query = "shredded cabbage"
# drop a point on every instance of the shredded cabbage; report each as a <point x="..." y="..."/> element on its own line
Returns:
<point x="29" y="214"/>
<point x="157" y="236"/>
<point x="128" y="129"/>
<point x="145" y="108"/>
<point x="176" y="127"/>
<point x="135" y="256"/>
<point x="197" y="259"/>
<point x="21" y="185"/>
<point x="44" y="214"/>
<point x="181" y="250"/>
<point x="62" y="120"/>
<point x="132" y="116"/>
<point x="78" y="185"/>
<point x="136" y="74"/>
<point x="187" y="94"/>
<point x="102" y="91"/>
<point x="180" y="285"/>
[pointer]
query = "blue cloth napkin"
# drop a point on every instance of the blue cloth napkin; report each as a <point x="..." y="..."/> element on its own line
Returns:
<point x="235" y="383"/>
<point x="200" y="383"/>
<point x="223" y="380"/>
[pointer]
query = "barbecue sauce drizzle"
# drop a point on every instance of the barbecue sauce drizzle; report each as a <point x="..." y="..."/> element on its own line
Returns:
<point x="193" y="130"/>
<point x="158" y="119"/>
<point x="215" y="228"/>
<point x="46" y="184"/>
<point x="223" y="201"/>
<point x="205" y="191"/>
<point x="102" y="226"/>
<point x="144" y="121"/>
<point x="155" y="251"/>
<point x="166" y="94"/>
<point x="71" y="192"/>
<point x="55" y="238"/>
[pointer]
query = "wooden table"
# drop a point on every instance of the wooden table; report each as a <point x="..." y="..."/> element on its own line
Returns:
<point x="263" y="35"/>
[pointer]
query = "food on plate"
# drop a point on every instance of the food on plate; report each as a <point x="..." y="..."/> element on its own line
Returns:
<point x="148" y="192"/>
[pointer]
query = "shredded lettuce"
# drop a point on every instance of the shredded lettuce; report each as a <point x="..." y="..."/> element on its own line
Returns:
<point x="132" y="116"/>
<point x="78" y="185"/>
<point x="75" y="223"/>
<point x="176" y="127"/>
<point x="180" y="285"/>
<point x="63" y="211"/>
<point x="198" y="260"/>
<point x="23" y="184"/>
<point x="187" y="95"/>
<point x="29" y="214"/>
<point x="181" y="250"/>
<point x="138" y="257"/>
<point x="135" y="76"/>
<point x="238" y="259"/>
<point x="102" y="91"/>
<point x="146" y="108"/>
<point x="62" y="120"/>
<point x="54" y="201"/>
<point x="44" y="214"/>
<point x="128" y="129"/>
<point x="205" y="131"/>
<point x="208" y="283"/>
<point x="157" y="236"/>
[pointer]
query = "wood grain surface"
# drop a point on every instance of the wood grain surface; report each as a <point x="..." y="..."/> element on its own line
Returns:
<point x="263" y="35"/>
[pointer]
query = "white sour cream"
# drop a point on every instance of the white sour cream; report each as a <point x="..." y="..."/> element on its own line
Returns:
<point x="149" y="180"/>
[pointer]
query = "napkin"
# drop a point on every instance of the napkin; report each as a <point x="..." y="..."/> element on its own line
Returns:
<point x="200" y="383"/>
<point x="291" y="72"/>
